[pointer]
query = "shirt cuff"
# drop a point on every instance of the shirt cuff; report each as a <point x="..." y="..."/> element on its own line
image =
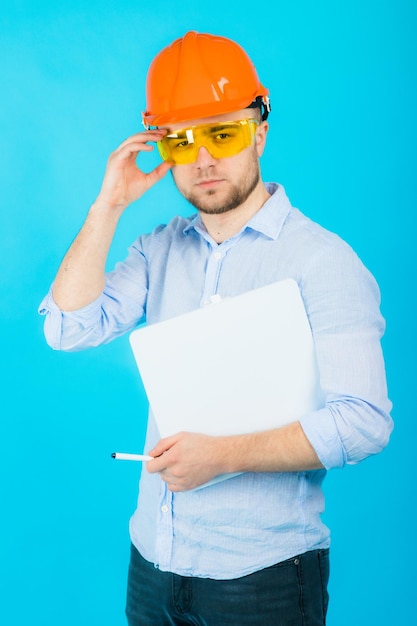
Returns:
<point x="321" y="431"/>
<point x="85" y="314"/>
<point x="73" y="323"/>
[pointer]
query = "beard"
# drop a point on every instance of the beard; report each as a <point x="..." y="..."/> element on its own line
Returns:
<point x="210" y="203"/>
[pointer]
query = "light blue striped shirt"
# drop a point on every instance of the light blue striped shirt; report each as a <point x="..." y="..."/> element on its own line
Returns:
<point x="253" y="520"/>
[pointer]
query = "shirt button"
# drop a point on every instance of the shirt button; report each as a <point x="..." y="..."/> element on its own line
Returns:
<point x="164" y="508"/>
<point x="217" y="255"/>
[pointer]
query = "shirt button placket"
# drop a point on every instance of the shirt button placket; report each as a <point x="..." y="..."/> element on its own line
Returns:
<point x="164" y="531"/>
<point x="212" y="276"/>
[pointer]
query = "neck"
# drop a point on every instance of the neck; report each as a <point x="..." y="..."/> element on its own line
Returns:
<point x="225" y="225"/>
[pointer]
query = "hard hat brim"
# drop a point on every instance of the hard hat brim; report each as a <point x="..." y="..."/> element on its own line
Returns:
<point x="199" y="111"/>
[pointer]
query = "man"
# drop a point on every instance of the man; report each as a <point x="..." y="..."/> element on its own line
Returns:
<point x="251" y="549"/>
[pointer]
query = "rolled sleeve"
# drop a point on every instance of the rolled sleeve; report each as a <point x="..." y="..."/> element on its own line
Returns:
<point x="69" y="330"/>
<point x="342" y="303"/>
<point x="116" y="311"/>
<point x="350" y="430"/>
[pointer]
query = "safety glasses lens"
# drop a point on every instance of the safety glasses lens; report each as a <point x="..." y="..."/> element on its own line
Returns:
<point x="222" y="140"/>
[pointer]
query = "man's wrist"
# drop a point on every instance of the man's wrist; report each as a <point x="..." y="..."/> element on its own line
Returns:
<point x="233" y="453"/>
<point x="110" y="212"/>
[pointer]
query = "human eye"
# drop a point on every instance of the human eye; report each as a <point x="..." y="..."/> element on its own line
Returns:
<point x="223" y="134"/>
<point x="180" y="145"/>
<point x="182" y="141"/>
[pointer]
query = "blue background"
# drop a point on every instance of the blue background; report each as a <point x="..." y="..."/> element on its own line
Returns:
<point x="342" y="77"/>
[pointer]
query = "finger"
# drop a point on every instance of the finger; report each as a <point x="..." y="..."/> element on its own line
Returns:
<point x="159" y="172"/>
<point x="131" y="150"/>
<point x="175" y="488"/>
<point x="174" y="483"/>
<point x="160" y="462"/>
<point x="143" y="137"/>
<point x="156" y="466"/>
<point x="166" y="443"/>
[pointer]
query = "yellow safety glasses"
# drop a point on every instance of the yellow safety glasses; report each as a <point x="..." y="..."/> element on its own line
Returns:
<point x="221" y="139"/>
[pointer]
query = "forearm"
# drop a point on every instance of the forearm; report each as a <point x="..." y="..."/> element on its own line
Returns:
<point x="188" y="460"/>
<point x="284" y="449"/>
<point x="81" y="276"/>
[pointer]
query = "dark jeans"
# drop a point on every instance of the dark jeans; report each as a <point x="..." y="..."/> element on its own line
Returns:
<point x="291" y="593"/>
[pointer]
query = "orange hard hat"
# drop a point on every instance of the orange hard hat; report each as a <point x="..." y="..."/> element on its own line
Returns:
<point x="201" y="75"/>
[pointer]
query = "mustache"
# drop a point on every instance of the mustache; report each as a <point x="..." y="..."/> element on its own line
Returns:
<point x="204" y="177"/>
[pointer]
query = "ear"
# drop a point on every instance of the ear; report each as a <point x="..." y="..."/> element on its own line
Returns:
<point x="260" y="137"/>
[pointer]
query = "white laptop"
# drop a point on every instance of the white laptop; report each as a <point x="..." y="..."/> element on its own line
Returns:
<point x="243" y="364"/>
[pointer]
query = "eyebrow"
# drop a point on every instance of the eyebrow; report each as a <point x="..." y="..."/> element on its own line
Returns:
<point x="183" y="131"/>
<point x="225" y="125"/>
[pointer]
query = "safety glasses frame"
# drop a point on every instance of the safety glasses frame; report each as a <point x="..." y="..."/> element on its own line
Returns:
<point x="221" y="139"/>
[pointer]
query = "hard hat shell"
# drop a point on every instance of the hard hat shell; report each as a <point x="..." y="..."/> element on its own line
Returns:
<point x="200" y="75"/>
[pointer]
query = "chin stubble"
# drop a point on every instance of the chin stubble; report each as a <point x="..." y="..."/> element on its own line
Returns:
<point x="237" y="195"/>
<point x="234" y="199"/>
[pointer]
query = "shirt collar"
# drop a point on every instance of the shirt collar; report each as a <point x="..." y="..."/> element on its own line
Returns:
<point x="268" y="220"/>
<point x="272" y="215"/>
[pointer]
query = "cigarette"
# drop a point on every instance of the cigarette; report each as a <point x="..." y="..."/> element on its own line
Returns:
<point x="125" y="456"/>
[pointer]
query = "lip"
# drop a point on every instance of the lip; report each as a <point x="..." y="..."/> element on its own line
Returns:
<point x="208" y="184"/>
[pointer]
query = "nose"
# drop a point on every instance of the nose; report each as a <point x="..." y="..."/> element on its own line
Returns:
<point x="204" y="158"/>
